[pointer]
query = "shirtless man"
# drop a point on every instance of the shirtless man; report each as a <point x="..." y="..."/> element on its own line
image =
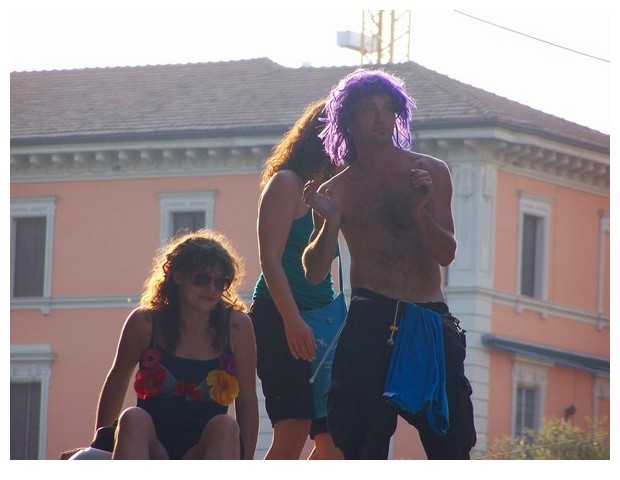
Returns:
<point x="393" y="207"/>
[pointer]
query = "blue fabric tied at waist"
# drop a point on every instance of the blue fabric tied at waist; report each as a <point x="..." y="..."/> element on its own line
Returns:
<point x="416" y="378"/>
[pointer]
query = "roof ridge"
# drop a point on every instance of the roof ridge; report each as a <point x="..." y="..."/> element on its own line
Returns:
<point x="265" y="60"/>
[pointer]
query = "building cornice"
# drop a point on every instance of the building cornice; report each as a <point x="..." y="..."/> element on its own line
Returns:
<point x="543" y="160"/>
<point x="517" y="152"/>
<point x="162" y="159"/>
<point x="135" y="163"/>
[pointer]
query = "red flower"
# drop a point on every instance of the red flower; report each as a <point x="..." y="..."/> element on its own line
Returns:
<point x="151" y="358"/>
<point x="190" y="390"/>
<point x="149" y="382"/>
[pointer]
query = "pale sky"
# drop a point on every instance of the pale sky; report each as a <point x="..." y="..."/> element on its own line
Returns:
<point x="570" y="84"/>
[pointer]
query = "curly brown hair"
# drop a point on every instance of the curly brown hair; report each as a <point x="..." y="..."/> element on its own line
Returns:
<point x="204" y="250"/>
<point x="300" y="150"/>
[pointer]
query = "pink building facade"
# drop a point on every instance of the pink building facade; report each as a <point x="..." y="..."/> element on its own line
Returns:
<point x="95" y="192"/>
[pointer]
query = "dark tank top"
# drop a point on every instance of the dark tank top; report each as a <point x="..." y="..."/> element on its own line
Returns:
<point x="307" y="296"/>
<point x="185" y="391"/>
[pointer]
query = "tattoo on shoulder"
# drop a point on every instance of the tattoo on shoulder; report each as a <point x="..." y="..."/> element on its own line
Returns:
<point x="235" y="325"/>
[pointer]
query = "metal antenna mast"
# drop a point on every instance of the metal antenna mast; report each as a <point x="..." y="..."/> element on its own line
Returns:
<point x="385" y="37"/>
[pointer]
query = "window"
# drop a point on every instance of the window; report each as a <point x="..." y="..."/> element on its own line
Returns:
<point x="601" y="403"/>
<point x="30" y="374"/>
<point x="32" y="221"/>
<point x="529" y="380"/>
<point x="526" y="405"/>
<point x="604" y="263"/>
<point x="534" y="214"/>
<point x="190" y="221"/>
<point x="531" y="253"/>
<point x="25" y="420"/>
<point x="185" y="211"/>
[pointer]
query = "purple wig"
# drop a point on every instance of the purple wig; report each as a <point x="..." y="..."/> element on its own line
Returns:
<point x="345" y="97"/>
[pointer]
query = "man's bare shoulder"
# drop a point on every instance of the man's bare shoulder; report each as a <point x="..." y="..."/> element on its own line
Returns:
<point x="336" y="181"/>
<point x="426" y="162"/>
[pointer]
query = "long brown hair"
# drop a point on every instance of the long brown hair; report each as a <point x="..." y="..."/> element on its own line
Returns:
<point x="186" y="253"/>
<point x="300" y="150"/>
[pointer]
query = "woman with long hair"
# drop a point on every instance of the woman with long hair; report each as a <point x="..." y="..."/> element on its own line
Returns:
<point x="195" y="350"/>
<point x="285" y="343"/>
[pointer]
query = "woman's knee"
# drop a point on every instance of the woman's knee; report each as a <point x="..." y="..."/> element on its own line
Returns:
<point x="222" y="425"/>
<point x="220" y="439"/>
<point x="134" y="419"/>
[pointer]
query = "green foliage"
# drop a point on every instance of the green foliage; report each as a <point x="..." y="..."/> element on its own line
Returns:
<point x="557" y="439"/>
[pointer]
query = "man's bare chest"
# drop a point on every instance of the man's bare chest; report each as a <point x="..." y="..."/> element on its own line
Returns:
<point x="380" y="206"/>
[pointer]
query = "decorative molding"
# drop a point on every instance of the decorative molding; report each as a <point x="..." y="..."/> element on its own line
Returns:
<point x="474" y="198"/>
<point x="521" y="304"/>
<point x="573" y="168"/>
<point x="45" y="305"/>
<point x="527" y="155"/>
<point x="32" y="355"/>
<point x="94" y="162"/>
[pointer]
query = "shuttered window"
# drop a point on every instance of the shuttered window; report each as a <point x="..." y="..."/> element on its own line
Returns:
<point x="533" y="251"/>
<point x="185" y="212"/>
<point x="29" y="256"/>
<point x="25" y="420"/>
<point x="187" y="221"/>
<point x="529" y="256"/>
<point x="526" y="411"/>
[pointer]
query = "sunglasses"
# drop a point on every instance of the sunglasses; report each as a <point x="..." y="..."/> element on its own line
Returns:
<point x="200" y="279"/>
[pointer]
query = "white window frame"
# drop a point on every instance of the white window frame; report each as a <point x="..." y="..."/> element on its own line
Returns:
<point x="172" y="202"/>
<point x="600" y="392"/>
<point x="602" y="258"/>
<point x="31" y="364"/>
<point x="538" y="206"/>
<point x="529" y="373"/>
<point x="35" y="207"/>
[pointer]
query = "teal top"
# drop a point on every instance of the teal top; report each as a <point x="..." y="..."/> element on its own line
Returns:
<point x="307" y="296"/>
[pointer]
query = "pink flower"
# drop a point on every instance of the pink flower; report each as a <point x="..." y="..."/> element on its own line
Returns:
<point x="227" y="363"/>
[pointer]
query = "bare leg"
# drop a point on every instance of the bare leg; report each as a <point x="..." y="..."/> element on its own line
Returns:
<point x="289" y="438"/>
<point x="324" y="448"/>
<point x="219" y="441"/>
<point x="136" y="438"/>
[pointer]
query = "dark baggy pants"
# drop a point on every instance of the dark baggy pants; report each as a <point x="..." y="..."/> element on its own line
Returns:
<point x="359" y="419"/>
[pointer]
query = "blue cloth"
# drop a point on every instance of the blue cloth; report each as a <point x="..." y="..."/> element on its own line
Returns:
<point x="326" y="324"/>
<point x="416" y="379"/>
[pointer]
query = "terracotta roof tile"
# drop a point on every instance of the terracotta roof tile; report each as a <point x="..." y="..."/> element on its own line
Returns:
<point x="247" y="97"/>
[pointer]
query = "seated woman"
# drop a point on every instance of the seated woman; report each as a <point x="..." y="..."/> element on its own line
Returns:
<point x="196" y="353"/>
